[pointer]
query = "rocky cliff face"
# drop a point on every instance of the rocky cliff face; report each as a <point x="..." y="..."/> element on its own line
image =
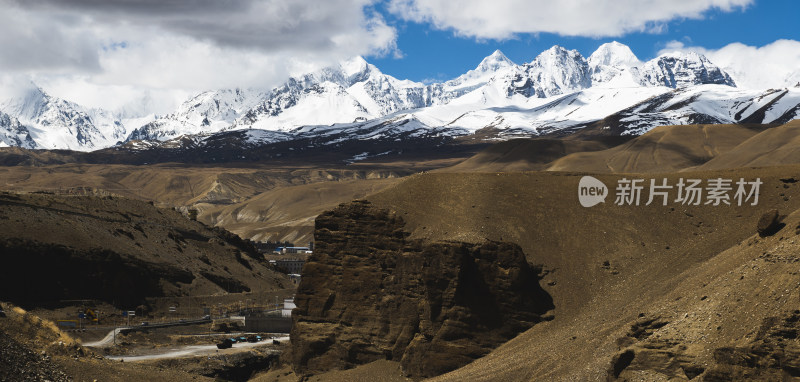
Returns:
<point x="13" y="133"/>
<point x="677" y="70"/>
<point x="771" y="352"/>
<point x="370" y="293"/>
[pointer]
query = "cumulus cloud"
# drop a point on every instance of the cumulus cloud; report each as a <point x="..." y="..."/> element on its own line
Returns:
<point x="770" y="66"/>
<point x="502" y="19"/>
<point x="190" y="45"/>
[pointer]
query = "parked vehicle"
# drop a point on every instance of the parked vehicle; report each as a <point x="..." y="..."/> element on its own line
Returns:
<point x="225" y="344"/>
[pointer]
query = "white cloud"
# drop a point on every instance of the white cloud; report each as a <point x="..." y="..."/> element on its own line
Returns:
<point x="502" y="19"/>
<point x="131" y="101"/>
<point x="121" y="48"/>
<point x="770" y="66"/>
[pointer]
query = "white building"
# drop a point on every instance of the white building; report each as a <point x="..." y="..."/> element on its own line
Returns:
<point x="288" y="305"/>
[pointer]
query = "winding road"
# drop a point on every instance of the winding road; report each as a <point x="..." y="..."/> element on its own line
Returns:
<point x="106" y="341"/>
<point x="195" y="350"/>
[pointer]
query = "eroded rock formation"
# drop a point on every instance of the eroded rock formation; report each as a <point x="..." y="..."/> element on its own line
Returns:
<point x="772" y="355"/>
<point x="369" y="293"/>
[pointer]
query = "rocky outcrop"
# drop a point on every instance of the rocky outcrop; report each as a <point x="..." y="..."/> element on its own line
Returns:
<point x="370" y="293"/>
<point x="646" y="355"/>
<point x="19" y="363"/>
<point x="769" y="223"/>
<point x="772" y="355"/>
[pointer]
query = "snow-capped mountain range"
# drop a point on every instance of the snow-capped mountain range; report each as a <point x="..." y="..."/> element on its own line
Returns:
<point x="559" y="91"/>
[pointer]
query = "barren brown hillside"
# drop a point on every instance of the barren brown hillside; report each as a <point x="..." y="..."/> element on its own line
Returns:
<point x="779" y="145"/>
<point x="287" y="213"/>
<point x="609" y="266"/>
<point x="119" y="251"/>
<point x="648" y="292"/>
<point x="222" y="195"/>
<point x="663" y="149"/>
<point x="524" y="154"/>
<point x="176" y="184"/>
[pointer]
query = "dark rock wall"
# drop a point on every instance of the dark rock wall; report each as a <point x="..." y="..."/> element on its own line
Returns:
<point x="368" y="293"/>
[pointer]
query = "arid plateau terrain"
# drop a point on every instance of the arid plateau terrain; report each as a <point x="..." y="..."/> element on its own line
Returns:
<point x="476" y="262"/>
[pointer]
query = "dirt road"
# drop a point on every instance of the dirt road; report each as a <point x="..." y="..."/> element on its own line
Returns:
<point x="194" y="350"/>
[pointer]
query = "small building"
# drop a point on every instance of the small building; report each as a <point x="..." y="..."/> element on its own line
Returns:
<point x="285" y="250"/>
<point x="290" y="265"/>
<point x="265" y="247"/>
<point x="288" y="305"/>
<point x="294" y="278"/>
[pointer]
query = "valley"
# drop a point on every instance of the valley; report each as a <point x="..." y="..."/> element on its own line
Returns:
<point x="348" y="225"/>
<point x="399" y="190"/>
<point x="670" y="301"/>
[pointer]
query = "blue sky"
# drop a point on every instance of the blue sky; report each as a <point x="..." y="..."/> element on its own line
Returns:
<point x="429" y="53"/>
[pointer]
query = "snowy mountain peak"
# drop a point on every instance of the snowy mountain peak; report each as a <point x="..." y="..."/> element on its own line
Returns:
<point x="614" y="64"/>
<point x="498" y="54"/>
<point x="553" y="72"/>
<point x="554" y="52"/>
<point x="482" y="74"/>
<point x="355" y="66"/>
<point x="559" y="89"/>
<point x="53" y="123"/>
<point x="27" y="102"/>
<point x="686" y="57"/>
<point x="494" y="62"/>
<point x="222" y="105"/>
<point x="613" y="54"/>
<point x="681" y="69"/>
<point x="559" y="61"/>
